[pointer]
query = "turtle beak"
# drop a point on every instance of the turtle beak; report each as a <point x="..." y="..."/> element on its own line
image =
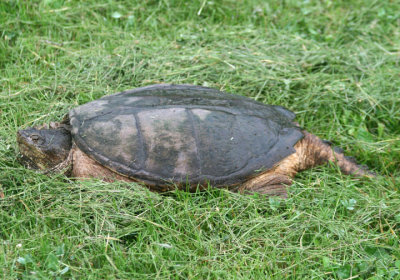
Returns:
<point x="22" y="139"/>
<point x="27" y="162"/>
<point x="20" y="135"/>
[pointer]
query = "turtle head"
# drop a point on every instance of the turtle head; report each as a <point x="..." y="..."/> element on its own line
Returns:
<point x="43" y="148"/>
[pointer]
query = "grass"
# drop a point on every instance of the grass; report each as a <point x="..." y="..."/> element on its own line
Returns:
<point x="335" y="63"/>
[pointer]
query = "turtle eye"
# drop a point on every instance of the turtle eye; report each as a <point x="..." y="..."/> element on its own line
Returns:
<point x="35" y="137"/>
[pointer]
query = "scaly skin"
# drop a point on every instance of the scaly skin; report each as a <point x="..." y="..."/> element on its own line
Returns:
<point x="311" y="151"/>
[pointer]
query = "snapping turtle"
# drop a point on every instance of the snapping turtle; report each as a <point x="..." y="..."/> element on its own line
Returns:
<point x="182" y="134"/>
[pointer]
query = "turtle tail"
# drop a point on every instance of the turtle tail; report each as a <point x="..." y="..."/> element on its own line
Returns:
<point x="316" y="152"/>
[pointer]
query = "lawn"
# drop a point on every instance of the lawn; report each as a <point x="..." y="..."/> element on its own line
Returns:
<point x="334" y="63"/>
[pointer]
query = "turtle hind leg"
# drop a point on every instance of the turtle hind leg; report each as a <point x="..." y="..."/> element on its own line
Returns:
<point x="311" y="151"/>
<point x="273" y="182"/>
<point x="269" y="184"/>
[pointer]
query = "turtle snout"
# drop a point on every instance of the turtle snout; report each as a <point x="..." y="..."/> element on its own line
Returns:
<point x="23" y="133"/>
<point x="20" y="135"/>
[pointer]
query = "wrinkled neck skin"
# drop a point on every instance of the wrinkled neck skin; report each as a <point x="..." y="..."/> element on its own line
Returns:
<point x="48" y="150"/>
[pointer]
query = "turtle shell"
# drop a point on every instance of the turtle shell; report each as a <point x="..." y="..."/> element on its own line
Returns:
<point x="184" y="134"/>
